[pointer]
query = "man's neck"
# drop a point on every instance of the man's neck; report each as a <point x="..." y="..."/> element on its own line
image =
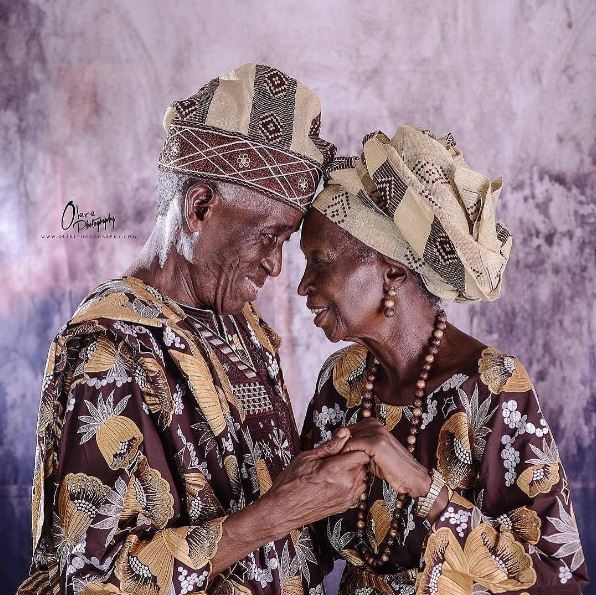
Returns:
<point x="172" y="277"/>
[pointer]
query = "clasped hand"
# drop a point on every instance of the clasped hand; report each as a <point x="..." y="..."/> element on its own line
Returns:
<point x="389" y="459"/>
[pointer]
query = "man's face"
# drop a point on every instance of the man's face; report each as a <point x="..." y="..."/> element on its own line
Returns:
<point x="239" y="246"/>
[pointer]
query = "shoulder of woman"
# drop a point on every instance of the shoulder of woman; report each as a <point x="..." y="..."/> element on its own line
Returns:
<point x="503" y="373"/>
<point x="342" y="370"/>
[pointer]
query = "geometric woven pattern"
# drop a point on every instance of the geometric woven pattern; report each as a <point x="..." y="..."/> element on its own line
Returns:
<point x="232" y="157"/>
<point x="254" y="126"/>
<point x="272" y="115"/>
<point x="414" y="199"/>
<point x="253" y="398"/>
<point x="440" y="253"/>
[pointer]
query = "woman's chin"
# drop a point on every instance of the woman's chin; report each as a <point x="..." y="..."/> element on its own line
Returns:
<point x="331" y="330"/>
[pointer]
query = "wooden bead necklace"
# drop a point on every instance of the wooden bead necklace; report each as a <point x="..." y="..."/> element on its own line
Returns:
<point x="373" y="560"/>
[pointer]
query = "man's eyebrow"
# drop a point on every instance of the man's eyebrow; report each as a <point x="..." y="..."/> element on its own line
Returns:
<point x="281" y="227"/>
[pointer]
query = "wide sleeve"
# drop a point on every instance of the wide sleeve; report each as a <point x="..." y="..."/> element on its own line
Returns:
<point x="113" y="496"/>
<point x="322" y="418"/>
<point x="519" y="533"/>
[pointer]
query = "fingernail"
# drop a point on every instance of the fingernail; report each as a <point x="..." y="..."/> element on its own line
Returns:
<point x="343" y="433"/>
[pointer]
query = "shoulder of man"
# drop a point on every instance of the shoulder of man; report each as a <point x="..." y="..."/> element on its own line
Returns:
<point x="127" y="320"/>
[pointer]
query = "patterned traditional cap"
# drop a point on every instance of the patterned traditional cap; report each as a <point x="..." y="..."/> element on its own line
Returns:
<point x="254" y="126"/>
<point x="415" y="199"/>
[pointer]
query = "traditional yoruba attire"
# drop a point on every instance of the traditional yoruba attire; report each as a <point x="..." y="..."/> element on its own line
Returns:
<point x="509" y="525"/>
<point x="157" y="420"/>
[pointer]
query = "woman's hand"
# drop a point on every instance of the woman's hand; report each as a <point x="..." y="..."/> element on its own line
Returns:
<point x="389" y="459"/>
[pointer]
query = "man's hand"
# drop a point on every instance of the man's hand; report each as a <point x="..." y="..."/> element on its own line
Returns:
<point x="390" y="460"/>
<point x="319" y="483"/>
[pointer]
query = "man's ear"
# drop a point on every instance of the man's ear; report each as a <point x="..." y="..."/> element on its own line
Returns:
<point x="395" y="273"/>
<point x="199" y="201"/>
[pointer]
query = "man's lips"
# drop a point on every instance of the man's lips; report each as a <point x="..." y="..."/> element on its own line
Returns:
<point x="255" y="285"/>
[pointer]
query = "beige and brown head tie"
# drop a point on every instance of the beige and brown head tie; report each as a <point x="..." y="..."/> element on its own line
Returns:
<point x="414" y="198"/>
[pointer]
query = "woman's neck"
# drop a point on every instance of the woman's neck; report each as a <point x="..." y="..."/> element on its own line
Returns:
<point x="400" y="344"/>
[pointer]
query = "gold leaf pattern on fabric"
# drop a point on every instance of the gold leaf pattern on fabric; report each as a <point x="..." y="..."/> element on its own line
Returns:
<point x="156" y="391"/>
<point x="145" y="568"/>
<point x="358" y="580"/>
<point x="115" y="306"/>
<point x="118" y="439"/>
<point x="194" y="545"/>
<point x="503" y="373"/>
<point x="461" y="501"/>
<point x="148" y="493"/>
<point x="525" y="524"/>
<point x="102" y="356"/>
<point x="78" y="503"/>
<point x="201" y="384"/>
<point x="538" y="479"/>
<point x="394" y="415"/>
<point x="292" y="586"/>
<point x="140" y="289"/>
<point x="225" y="386"/>
<point x="439" y="576"/>
<point x="257" y="329"/>
<point x="352" y="556"/>
<point x="381" y="518"/>
<point x="233" y="472"/>
<point x="454" y="452"/>
<point x="497" y="560"/>
<point x="37" y="493"/>
<point x="202" y="503"/>
<point x="102" y="589"/>
<point x="348" y="374"/>
<point x="263" y="475"/>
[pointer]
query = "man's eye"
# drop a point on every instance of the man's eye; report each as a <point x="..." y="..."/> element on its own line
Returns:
<point x="270" y="239"/>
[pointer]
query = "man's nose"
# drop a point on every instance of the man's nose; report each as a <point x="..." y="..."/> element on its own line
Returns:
<point x="272" y="263"/>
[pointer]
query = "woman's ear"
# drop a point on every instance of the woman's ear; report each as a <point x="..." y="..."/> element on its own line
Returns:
<point x="395" y="273"/>
<point x="199" y="201"/>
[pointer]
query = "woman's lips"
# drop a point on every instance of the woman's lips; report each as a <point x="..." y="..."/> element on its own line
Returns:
<point x="320" y="315"/>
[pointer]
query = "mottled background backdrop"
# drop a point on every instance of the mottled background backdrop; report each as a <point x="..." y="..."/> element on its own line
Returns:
<point x="83" y="88"/>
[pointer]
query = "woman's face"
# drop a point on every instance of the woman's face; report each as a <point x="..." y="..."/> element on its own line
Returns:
<point x="344" y="291"/>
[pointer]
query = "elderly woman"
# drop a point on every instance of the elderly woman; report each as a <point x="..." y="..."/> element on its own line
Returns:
<point x="466" y="492"/>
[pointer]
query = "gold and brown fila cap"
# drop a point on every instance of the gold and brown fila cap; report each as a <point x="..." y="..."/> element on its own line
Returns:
<point x="254" y="126"/>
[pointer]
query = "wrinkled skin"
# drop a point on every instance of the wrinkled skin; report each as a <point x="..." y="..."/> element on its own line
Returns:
<point x="350" y="290"/>
<point x="237" y="244"/>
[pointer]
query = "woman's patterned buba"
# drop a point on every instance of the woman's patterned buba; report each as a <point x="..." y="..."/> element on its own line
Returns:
<point x="509" y="526"/>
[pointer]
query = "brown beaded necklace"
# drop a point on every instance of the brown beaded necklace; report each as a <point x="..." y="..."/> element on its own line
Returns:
<point x="372" y="559"/>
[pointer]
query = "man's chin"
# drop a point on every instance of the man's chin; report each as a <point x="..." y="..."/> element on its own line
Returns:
<point x="231" y="307"/>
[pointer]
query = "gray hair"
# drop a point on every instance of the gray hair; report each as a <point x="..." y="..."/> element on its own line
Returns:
<point x="173" y="187"/>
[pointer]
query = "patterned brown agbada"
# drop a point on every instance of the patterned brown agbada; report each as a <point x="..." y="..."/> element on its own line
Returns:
<point x="157" y="421"/>
<point x="509" y="526"/>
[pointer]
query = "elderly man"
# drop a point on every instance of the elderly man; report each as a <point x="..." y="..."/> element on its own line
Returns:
<point x="167" y="449"/>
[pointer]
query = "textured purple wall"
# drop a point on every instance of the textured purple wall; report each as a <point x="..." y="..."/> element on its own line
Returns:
<point x="83" y="88"/>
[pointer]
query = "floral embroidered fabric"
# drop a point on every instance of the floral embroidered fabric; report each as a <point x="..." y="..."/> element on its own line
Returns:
<point x="509" y="526"/>
<point x="155" y="423"/>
